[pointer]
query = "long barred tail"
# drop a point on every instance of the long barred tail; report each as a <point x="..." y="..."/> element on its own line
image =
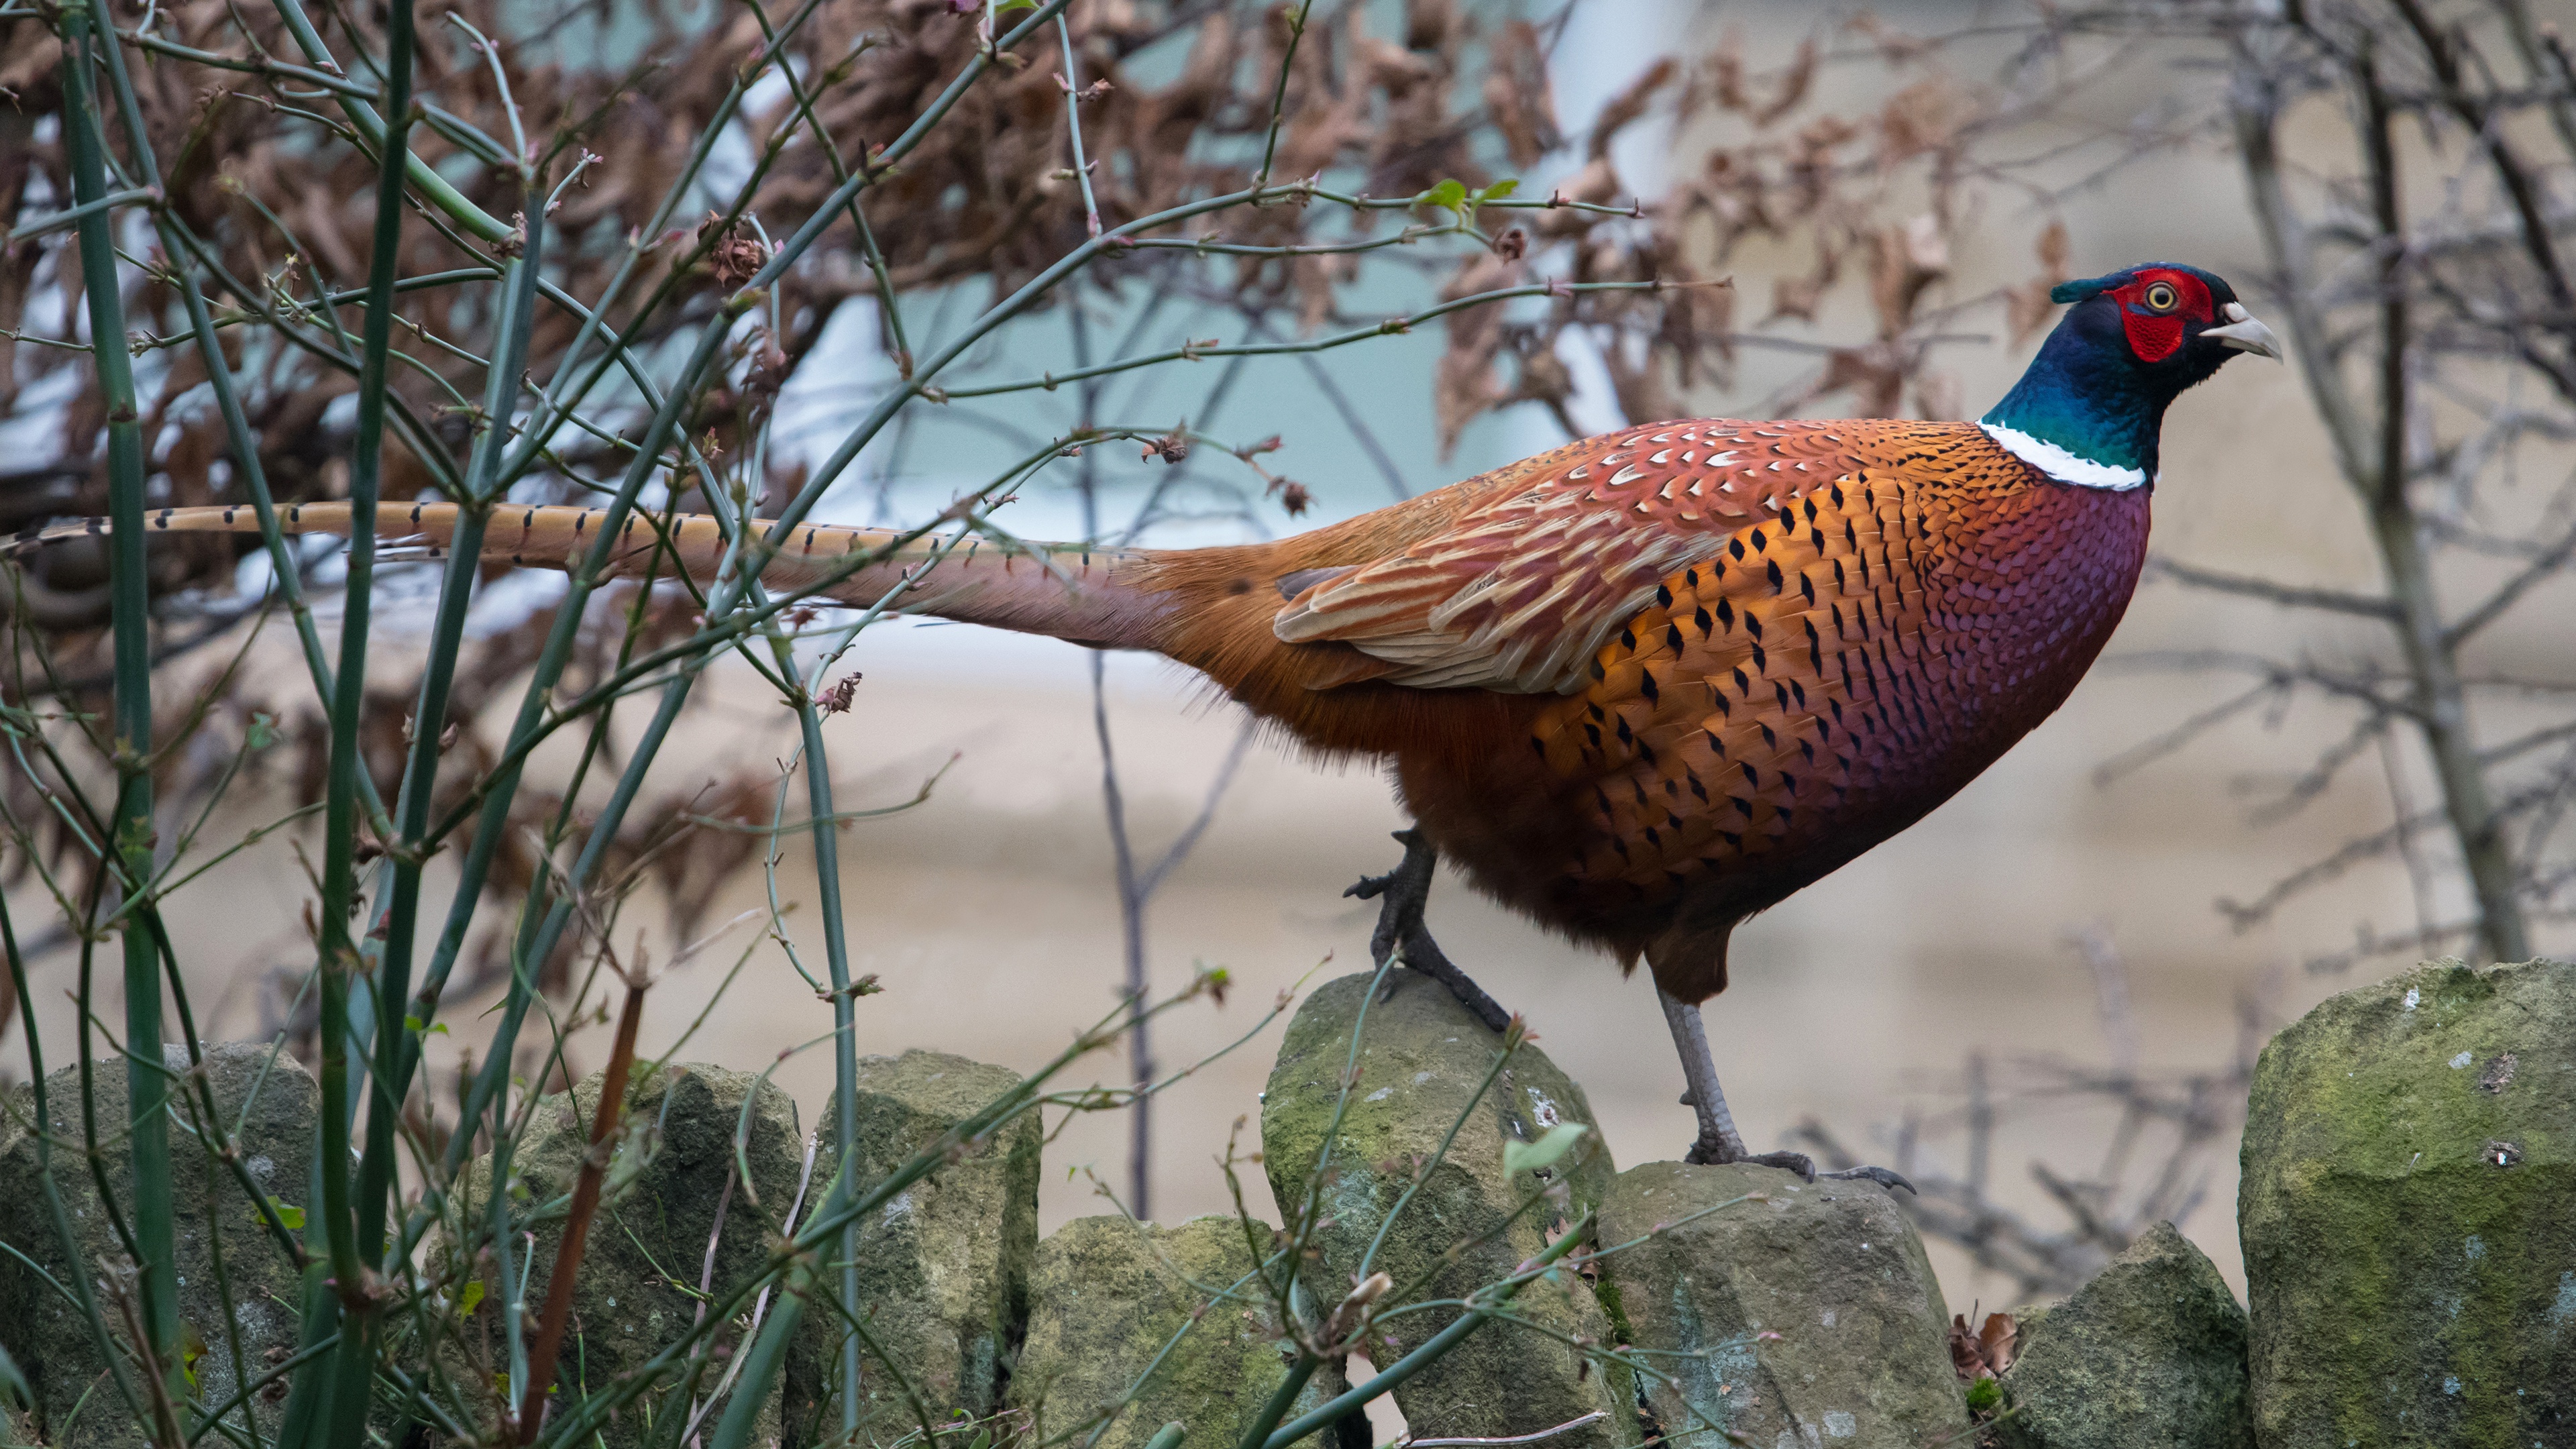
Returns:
<point x="1069" y="591"/>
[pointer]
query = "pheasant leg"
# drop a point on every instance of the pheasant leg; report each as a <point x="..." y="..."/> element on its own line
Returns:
<point x="1402" y="893"/>
<point x="1718" y="1140"/>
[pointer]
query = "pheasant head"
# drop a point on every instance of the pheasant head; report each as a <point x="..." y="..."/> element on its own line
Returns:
<point x="2089" y="409"/>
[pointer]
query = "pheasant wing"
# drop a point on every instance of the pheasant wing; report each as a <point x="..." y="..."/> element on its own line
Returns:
<point x="1519" y="595"/>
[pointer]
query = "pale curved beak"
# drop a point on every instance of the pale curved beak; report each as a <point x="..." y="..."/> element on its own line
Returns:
<point x="2246" y="333"/>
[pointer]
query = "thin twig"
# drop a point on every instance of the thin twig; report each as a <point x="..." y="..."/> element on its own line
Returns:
<point x="556" y="1317"/>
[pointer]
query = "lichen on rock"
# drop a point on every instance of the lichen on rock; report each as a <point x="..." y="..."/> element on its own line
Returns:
<point x="2149" y="1354"/>
<point x="1783" y="1311"/>
<point x="1109" y="1296"/>
<point x="2408" y="1213"/>
<point x="656" y="1237"/>
<point x="942" y="1267"/>
<point x="1422" y="1059"/>
<point x="46" y="1333"/>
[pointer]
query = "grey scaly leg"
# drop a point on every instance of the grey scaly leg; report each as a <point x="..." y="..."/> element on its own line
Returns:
<point x="1718" y="1140"/>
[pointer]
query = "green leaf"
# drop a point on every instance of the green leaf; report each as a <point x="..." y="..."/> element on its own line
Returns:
<point x="1520" y="1157"/>
<point x="1986" y="1394"/>
<point x="287" y="1213"/>
<point x="469" y="1299"/>
<point x="192" y="1347"/>
<point x="1498" y="191"/>
<point x="263" y="731"/>
<point x="13" y="1384"/>
<point x="1451" y="193"/>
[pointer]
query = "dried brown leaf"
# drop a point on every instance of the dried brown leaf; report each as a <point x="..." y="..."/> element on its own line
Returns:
<point x="1631" y="103"/>
<point x="1998" y="1340"/>
<point x="1903" y="262"/>
<point x="1795" y="297"/>
<point x="2027" y="305"/>
<point x="1794" y="84"/>
<point x="1517" y="94"/>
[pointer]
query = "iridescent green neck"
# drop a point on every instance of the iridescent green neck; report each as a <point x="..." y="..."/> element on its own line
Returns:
<point x="2080" y="416"/>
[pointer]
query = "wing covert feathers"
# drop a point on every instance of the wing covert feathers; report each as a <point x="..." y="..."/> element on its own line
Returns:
<point x="1518" y="595"/>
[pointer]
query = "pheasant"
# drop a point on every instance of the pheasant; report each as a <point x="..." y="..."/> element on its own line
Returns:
<point x="1639" y="687"/>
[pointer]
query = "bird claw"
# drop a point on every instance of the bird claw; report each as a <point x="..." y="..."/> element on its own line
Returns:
<point x="1880" y="1175"/>
<point x="1797" y="1162"/>
<point x="1708" y="1151"/>
<point x="1399" y="927"/>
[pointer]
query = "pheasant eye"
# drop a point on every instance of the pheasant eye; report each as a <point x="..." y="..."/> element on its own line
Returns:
<point x="2161" y="297"/>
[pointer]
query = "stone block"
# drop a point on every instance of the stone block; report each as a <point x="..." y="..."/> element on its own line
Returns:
<point x="1806" y="1317"/>
<point x="943" y="1266"/>
<point x="1421" y="1063"/>
<point x="653" y="1234"/>
<point x="44" y="1330"/>
<point x="1106" y="1297"/>
<point x="2408" y="1213"/>
<point x="2150" y="1353"/>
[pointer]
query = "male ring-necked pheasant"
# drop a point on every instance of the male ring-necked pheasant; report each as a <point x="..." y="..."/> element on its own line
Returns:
<point x="1647" y="684"/>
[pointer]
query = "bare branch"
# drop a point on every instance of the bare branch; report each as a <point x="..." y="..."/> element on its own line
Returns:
<point x="2287" y="595"/>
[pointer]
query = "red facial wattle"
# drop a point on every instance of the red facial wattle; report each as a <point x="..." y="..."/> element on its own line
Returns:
<point x="2157" y="333"/>
<point x="2152" y="337"/>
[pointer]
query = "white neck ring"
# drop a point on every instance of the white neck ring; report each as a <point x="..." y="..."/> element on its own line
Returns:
<point x="2064" y="466"/>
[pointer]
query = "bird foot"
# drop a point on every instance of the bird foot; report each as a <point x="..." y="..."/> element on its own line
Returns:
<point x="1884" y="1177"/>
<point x="1402" y="893"/>
<point x="1708" y="1150"/>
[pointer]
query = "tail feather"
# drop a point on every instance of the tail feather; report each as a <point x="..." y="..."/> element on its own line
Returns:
<point x="1069" y="591"/>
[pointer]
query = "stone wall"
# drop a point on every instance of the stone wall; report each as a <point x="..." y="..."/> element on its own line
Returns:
<point x="2408" y="1213"/>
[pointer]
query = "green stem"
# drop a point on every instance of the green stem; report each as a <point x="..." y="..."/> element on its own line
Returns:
<point x="1437" y="1347"/>
<point x="845" y="1044"/>
<point x="551" y="663"/>
<point x="1048" y="382"/>
<point x="495" y="1073"/>
<point x="1279" y="97"/>
<point x="1282" y="1399"/>
<point x="339" y="962"/>
<point x="254" y="478"/>
<point x="420" y="173"/>
<point x="130" y="596"/>
<point x="769" y="1350"/>
<point x="46" y="225"/>
<point x="397" y="1047"/>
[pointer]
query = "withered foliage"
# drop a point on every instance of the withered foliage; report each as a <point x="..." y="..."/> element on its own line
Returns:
<point x="663" y="158"/>
<point x="1869" y="188"/>
<point x="255" y="164"/>
<point x="987" y="194"/>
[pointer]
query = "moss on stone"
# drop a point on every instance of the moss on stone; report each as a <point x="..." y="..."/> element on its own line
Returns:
<point x="2149" y="1354"/>
<point x="45" y="1331"/>
<point x="1421" y="1062"/>
<point x="648" y="1247"/>
<point x="2408" y="1213"/>
<point x="943" y="1267"/>
<point x="1806" y="1316"/>
<point x="1108" y="1296"/>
